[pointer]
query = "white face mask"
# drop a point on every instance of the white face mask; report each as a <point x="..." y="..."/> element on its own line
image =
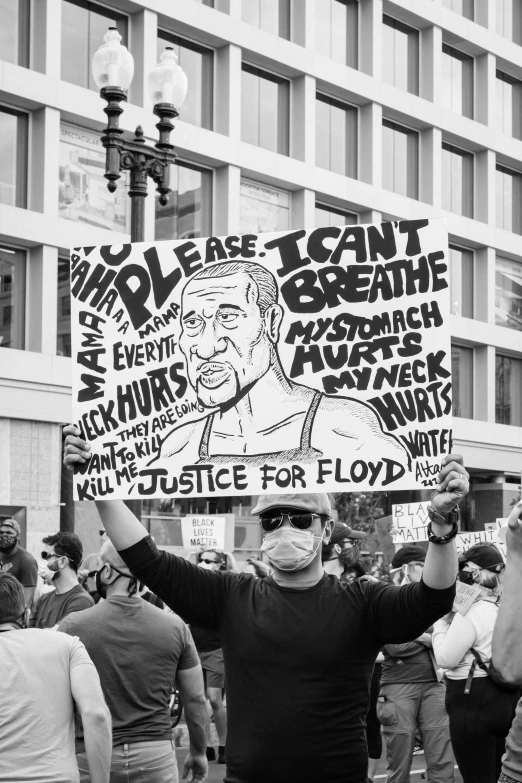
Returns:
<point x="289" y="549"/>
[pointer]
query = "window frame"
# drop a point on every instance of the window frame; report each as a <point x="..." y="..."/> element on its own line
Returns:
<point x="396" y="24"/>
<point x="463" y="153"/>
<point x="516" y="214"/>
<point x="284" y="20"/>
<point x="463" y="15"/>
<point x="275" y="78"/>
<point x="472" y="386"/>
<point x="22" y="155"/>
<point x="407" y="131"/>
<point x="504" y="356"/>
<point x="22" y="295"/>
<point x="463" y="249"/>
<point x="336" y="211"/>
<point x="468" y="107"/>
<point x="346" y="107"/>
<point x="190" y="164"/>
<point x="111" y="13"/>
<point x="166" y="35"/>
<point x="516" y="121"/>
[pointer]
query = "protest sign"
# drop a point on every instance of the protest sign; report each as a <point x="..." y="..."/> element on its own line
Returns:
<point x="465" y="596"/>
<point x="410" y="522"/>
<point x="299" y="361"/>
<point x="199" y="531"/>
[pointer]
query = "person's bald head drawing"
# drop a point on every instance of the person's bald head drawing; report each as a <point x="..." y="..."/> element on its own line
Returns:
<point x="230" y="323"/>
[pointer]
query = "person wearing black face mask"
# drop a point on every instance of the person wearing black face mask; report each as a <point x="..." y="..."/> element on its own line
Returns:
<point x="16" y="560"/>
<point x="342" y="550"/>
<point x="139" y="651"/>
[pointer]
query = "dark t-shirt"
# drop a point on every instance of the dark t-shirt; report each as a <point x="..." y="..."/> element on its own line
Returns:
<point x="51" y="607"/>
<point x="21" y="565"/>
<point x="298" y="663"/>
<point x="205" y="639"/>
<point x="137" y="650"/>
<point x="410" y="662"/>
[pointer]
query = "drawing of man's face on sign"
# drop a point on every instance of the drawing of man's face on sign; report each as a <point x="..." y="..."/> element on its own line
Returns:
<point x="230" y="324"/>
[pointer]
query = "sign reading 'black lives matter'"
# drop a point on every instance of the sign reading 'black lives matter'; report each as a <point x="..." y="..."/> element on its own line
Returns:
<point x="300" y="361"/>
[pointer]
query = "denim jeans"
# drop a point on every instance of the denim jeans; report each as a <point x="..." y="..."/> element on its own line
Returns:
<point x="138" y="762"/>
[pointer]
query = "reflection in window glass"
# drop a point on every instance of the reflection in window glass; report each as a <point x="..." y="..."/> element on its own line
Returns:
<point x="457" y="81"/>
<point x="63" y="315"/>
<point x="462" y="380"/>
<point x="14" y="31"/>
<point x="326" y="216"/>
<point x="509" y="200"/>
<point x="461" y="281"/>
<point x="263" y="208"/>
<point x="83" y="26"/>
<point x="265" y="110"/>
<point x="12" y="298"/>
<point x="82" y="188"/>
<point x="508" y="14"/>
<point x="508" y="293"/>
<point x="508" y="377"/>
<point x="462" y="7"/>
<point x="197" y="62"/>
<point x="336" y="30"/>
<point x="400" y="52"/>
<point x="336" y="136"/>
<point x="270" y="15"/>
<point x="457" y="176"/>
<point x="13" y="158"/>
<point x="188" y="213"/>
<point x="509" y="105"/>
<point x="400" y="159"/>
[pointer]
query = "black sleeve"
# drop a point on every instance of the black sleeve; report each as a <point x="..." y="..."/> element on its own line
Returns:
<point x="197" y="595"/>
<point x="28" y="572"/>
<point x="401" y="614"/>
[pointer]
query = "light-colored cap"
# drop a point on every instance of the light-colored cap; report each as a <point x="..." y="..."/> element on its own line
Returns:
<point x="313" y="503"/>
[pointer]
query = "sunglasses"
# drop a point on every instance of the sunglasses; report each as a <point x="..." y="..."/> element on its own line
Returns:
<point x="101" y="532"/>
<point x="48" y="555"/>
<point x="299" y="521"/>
<point x="206" y="560"/>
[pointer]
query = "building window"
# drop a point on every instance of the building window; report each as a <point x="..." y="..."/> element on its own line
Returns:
<point x="462" y="7"/>
<point x="509" y="19"/>
<point x="462" y="380"/>
<point x="326" y="216"/>
<point x="14" y="31"/>
<point x="336" y="136"/>
<point x="265" y="110"/>
<point x="83" y="26"/>
<point x="461" y="281"/>
<point x="457" y="179"/>
<point x="508" y="293"/>
<point x="400" y="53"/>
<point x="13" y="158"/>
<point x="12" y="298"/>
<point x="509" y="200"/>
<point x="337" y="30"/>
<point x="457" y="81"/>
<point x="82" y="188"/>
<point x="509" y="105"/>
<point x="198" y="63"/>
<point x="263" y="208"/>
<point x="188" y="213"/>
<point x="270" y="15"/>
<point x="508" y="378"/>
<point x="63" y="315"/>
<point x="400" y="159"/>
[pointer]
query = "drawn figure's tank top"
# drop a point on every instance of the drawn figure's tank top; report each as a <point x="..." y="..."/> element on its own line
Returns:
<point x="304" y="454"/>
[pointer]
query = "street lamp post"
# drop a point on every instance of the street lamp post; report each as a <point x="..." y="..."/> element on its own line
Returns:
<point x="113" y="69"/>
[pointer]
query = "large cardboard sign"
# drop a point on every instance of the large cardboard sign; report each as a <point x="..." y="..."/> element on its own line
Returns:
<point x="200" y="531"/>
<point x="298" y="361"/>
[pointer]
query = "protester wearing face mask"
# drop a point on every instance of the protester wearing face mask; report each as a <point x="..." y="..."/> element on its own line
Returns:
<point x="139" y="651"/>
<point x="480" y="711"/>
<point x="45" y="677"/>
<point x="411" y="698"/>
<point x="341" y="551"/>
<point x="62" y="554"/>
<point x="16" y="560"/>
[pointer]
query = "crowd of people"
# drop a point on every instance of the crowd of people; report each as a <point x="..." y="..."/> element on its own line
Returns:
<point x="323" y="664"/>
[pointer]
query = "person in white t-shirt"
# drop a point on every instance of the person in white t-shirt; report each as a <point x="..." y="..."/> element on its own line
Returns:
<point x="480" y="711"/>
<point x="44" y="676"/>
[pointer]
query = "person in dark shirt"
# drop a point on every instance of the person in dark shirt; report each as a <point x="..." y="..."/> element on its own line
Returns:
<point x="139" y="652"/>
<point x="63" y="554"/>
<point x="16" y="560"/>
<point x="299" y="646"/>
<point x="342" y="551"/>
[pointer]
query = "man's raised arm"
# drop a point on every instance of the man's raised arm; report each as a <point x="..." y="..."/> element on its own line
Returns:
<point x="507" y="636"/>
<point x="121" y="525"/>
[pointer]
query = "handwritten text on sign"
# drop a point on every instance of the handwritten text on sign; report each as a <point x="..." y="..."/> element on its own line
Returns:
<point x="203" y="531"/>
<point x="300" y="361"/>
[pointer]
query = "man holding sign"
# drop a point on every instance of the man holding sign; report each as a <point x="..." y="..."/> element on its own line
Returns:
<point x="299" y="646"/>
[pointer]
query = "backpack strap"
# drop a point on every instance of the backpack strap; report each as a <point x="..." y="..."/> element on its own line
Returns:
<point x="479" y="660"/>
<point x="469" y="679"/>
